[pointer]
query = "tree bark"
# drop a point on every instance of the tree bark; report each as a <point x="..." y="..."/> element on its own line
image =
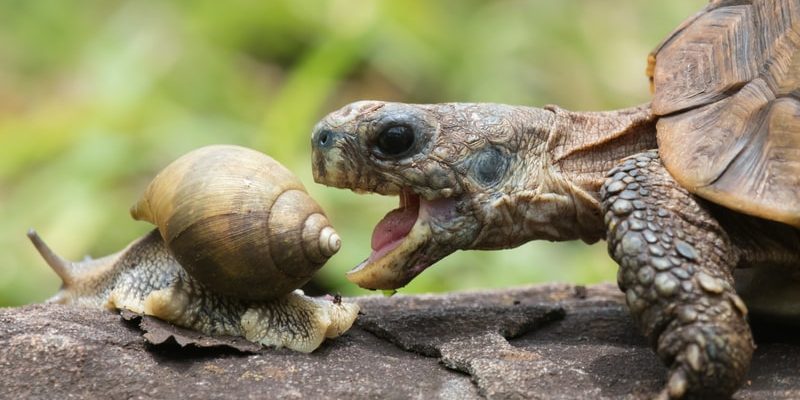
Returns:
<point x="549" y="341"/>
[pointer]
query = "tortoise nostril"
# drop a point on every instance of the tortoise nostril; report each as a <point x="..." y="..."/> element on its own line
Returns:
<point x="324" y="138"/>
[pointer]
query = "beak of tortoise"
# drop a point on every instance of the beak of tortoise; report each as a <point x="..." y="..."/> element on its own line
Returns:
<point x="402" y="244"/>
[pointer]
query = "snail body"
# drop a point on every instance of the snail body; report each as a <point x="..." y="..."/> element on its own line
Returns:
<point x="237" y="235"/>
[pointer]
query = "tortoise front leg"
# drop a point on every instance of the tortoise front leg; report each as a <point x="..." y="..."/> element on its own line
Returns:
<point x="676" y="267"/>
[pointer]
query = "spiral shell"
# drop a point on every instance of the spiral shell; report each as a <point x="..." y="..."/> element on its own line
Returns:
<point x="239" y="222"/>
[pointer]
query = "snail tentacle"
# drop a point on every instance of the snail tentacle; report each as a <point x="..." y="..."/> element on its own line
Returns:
<point x="59" y="265"/>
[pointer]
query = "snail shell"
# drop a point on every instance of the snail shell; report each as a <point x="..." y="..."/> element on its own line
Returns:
<point x="239" y="222"/>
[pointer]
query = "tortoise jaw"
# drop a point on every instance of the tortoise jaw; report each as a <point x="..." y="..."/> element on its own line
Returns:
<point x="389" y="269"/>
<point x="399" y="257"/>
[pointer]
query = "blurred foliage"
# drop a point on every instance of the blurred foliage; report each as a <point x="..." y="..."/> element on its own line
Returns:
<point x="96" y="98"/>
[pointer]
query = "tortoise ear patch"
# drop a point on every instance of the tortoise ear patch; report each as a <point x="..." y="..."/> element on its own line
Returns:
<point x="488" y="166"/>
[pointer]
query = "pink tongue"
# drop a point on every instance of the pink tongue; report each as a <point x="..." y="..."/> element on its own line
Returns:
<point x="394" y="226"/>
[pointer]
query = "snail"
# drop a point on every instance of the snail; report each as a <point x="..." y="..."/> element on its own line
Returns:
<point x="236" y="235"/>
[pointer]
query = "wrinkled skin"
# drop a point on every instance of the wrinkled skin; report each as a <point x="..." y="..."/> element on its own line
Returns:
<point x="486" y="176"/>
<point x="460" y="167"/>
<point x="489" y="176"/>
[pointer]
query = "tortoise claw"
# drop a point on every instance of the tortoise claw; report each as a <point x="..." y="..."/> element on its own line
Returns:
<point x="676" y="385"/>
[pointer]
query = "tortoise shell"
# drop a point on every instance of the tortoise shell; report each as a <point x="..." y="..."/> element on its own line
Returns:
<point x="727" y="88"/>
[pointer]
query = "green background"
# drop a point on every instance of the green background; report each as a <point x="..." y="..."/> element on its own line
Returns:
<point x="97" y="96"/>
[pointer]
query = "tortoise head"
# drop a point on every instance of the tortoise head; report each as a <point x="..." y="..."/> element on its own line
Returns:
<point x="457" y="169"/>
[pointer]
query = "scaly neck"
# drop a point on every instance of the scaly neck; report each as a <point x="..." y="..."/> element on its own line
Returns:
<point x="581" y="148"/>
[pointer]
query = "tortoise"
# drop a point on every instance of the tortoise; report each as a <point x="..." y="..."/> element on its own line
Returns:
<point x="697" y="192"/>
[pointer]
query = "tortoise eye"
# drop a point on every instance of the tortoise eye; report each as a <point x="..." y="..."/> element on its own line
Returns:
<point x="395" y="140"/>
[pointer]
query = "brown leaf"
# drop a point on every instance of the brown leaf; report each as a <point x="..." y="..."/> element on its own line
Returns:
<point x="158" y="332"/>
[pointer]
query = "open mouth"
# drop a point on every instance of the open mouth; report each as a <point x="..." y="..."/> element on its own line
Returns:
<point x="395" y="226"/>
<point x="399" y="243"/>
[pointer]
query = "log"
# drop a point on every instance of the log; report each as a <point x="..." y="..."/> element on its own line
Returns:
<point x="545" y="341"/>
